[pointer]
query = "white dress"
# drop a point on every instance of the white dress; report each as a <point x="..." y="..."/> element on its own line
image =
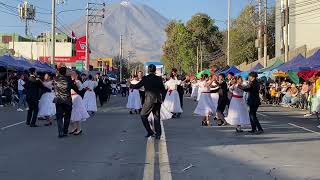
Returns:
<point x="46" y="105"/>
<point x="79" y="112"/>
<point x="134" y="101"/>
<point x="89" y="99"/>
<point x="164" y="114"/>
<point x="195" y="88"/>
<point x="238" y="111"/>
<point x="206" y="106"/>
<point x="172" y="100"/>
<point x="215" y="96"/>
<point x="201" y="88"/>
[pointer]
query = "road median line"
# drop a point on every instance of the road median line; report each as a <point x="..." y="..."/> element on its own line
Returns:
<point x="164" y="163"/>
<point x="148" y="173"/>
<point x="306" y="129"/>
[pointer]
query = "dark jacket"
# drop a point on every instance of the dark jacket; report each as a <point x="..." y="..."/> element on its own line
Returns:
<point x="253" y="93"/>
<point x="153" y="86"/>
<point x="62" y="87"/>
<point x="33" y="89"/>
<point x="223" y="91"/>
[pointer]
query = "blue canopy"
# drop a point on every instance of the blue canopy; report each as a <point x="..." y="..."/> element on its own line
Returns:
<point x="255" y="68"/>
<point x="313" y="62"/>
<point x="8" y="61"/>
<point x="23" y="62"/>
<point x="42" y="67"/>
<point x="232" y="69"/>
<point x="297" y="61"/>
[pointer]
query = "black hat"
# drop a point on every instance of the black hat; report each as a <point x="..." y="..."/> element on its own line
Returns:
<point x="253" y="74"/>
<point x="63" y="71"/>
<point x="152" y="68"/>
<point x="32" y="70"/>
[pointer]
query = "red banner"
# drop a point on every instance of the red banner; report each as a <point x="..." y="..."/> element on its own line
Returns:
<point x="80" y="53"/>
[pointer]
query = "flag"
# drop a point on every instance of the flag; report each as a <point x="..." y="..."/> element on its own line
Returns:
<point x="73" y="35"/>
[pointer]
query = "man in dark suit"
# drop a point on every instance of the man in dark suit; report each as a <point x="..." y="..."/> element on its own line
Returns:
<point x="253" y="102"/>
<point x="62" y="86"/>
<point x="223" y="99"/>
<point x="154" y="87"/>
<point x="33" y="95"/>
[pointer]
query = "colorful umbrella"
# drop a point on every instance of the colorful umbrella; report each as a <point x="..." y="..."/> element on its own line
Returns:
<point x="207" y="71"/>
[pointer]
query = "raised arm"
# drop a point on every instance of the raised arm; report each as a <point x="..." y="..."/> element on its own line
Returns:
<point x="138" y="85"/>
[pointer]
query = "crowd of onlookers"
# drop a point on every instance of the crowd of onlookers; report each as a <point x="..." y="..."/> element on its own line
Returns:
<point x="287" y="94"/>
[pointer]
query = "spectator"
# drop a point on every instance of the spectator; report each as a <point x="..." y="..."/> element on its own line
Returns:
<point x="21" y="94"/>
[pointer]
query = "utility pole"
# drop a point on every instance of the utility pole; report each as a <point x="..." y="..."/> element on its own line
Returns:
<point x="87" y="39"/>
<point x="53" y="29"/>
<point x="91" y="12"/>
<point x="286" y="34"/>
<point x="121" y="56"/>
<point x="265" y="53"/>
<point x="201" y="55"/>
<point x="198" y="58"/>
<point x="228" y="48"/>
<point x="259" y="31"/>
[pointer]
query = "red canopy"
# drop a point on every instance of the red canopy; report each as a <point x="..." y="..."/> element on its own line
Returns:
<point x="306" y="75"/>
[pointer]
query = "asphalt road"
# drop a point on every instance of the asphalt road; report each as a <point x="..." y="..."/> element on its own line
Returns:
<point x="113" y="147"/>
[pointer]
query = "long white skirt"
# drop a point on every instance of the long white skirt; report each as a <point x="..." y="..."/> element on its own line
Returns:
<point x="215" y="98"/>
<point x="199" y="94"/>
<point x="172" y="102"/>
<point x="79" y="111"/>
<point x="134" y="101"/>
<point x="90" y="101"/>
<point x="46" y="105"/>
<point x="194" y="93"/>
<point x="238" y="112"/>
<point x="164" y="114"/>
<point x="206" y="106"/>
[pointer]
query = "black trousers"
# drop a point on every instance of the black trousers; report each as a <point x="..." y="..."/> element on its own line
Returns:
<point x="63" y="115"/>
<point x="254" y="120"/>
<point x="146" y="110"/>
<point x="181" y="93"/>
<point x="32" y="112"/>
<point x="142" y="96"/>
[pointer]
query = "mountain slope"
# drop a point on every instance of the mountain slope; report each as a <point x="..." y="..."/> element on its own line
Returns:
<point x="141" y="26"/>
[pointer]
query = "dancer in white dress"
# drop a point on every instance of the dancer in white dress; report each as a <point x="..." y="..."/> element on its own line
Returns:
<point x="134" y="100"/>
<point x="79" y="113"/>
<point x="89" y="99"/>
<point x="206" y="106"/>
<point x="172" y="100"/>
<point x="47" y="109"/>
<point x="202" y="86"/>
<point x="195" y="89"/>
<point x="238" y="114"/>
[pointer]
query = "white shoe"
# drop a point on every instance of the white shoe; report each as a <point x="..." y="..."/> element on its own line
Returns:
<point x="318" y="126"/>
<point x="20" y="110"/>
<point x="27" y="109"/>
<point x="307" y="115"/>
<point x="1" y="105"/>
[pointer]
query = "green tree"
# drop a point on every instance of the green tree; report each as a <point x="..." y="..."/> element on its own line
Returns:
<point x="243" y="34"/>
<point x="178" y="50"/>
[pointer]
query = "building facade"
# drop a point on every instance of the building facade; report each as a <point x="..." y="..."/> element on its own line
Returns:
<point x="304" y="24"/>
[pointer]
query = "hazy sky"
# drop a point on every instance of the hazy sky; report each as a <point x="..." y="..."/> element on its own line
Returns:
<point x="172" y="9"/>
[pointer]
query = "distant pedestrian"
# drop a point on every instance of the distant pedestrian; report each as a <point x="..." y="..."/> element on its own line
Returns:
<point x="89" y="99"/>
<point x="62" y="86"/>
<point x="33" y="88"/>
<point x="153" y="90"/>
<point x="21" y="94"/>
<point x="253" y="102"/>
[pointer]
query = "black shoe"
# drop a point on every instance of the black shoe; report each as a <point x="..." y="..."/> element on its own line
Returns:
<point x="78" y="133"/>
<point x="149" y="135"/>
<point x="179" y="115"/>
<point x="34" y="125"/>
<point x="130" y="112"/>
<point x="48" y="124"/>
<point x="158" y="137"/>
<point x="72" y="132"/>
<point x="252" y="131"/>
<point x="62" y="135"/>
<point x="136" y="112"/>
<point x="260" y="132"/>
<point x="239" y="130"/>
<point x="27" y="123"/>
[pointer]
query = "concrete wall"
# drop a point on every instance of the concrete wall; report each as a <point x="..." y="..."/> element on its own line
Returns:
<point x="304" y="25"/>
<point x="34" y="50"/>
